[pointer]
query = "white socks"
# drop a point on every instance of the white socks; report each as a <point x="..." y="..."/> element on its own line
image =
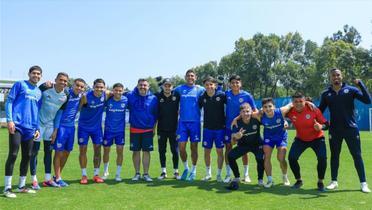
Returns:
<point x="96" y="171"/>
<point x="22" y="181"/>
<point x="33" y="178"/>
<point x="193" y="169"/>
<point x="246" y="170"/>
<point x="164" y="170"/>
<point x="7" y="182"/>
<point x="118" y="170"/>
<point x="105" y="167"/>
<point x="228" y="170"/>
<point x="48" y="177"/>
<point x="84" y="172"/>
<point x="186" y="165"/>
<point x="208" y="171"/>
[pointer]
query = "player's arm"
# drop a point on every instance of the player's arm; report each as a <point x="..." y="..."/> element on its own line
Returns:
<point x="83" y="101"/>
<point x="9" y="106"/>
<point x="239" y="134"/>
<point x="323" y="104"/>
<point x="362" y="95"/>
<point x="285" y="109"/>
<point x="320" y="122"/>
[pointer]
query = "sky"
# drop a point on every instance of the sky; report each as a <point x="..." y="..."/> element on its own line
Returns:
<point x="121" y="41"/>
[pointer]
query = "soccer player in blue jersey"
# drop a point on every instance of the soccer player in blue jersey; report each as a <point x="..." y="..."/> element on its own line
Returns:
<point x="339" y="98"/>
<point x="213" y="104"/>
<point x="65" y="123"/>
<point x="52" y="100"/>
<point x="114" y="129"/>
<point x="21" y="114"/>
<point x="189" y="122"/>
<point x="142" y="106"/>
<point x="90" y="125"/>
<point x="234" y="98"/>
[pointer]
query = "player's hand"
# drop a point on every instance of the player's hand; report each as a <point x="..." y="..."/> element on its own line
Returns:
<point x="11" y="127"/>
<point x="49" y="84"/>
<point x="234" y="123"/>
<point x="286" y="125"/>
<point x="317" y="126"/>
<point x="53" y="136"/>
<point x="37" y="134"/>
<point x="356" y="81"/>
<point x="240" y="134"/>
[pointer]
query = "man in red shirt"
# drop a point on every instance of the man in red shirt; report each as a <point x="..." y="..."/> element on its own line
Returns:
<point x="309" y="123"/>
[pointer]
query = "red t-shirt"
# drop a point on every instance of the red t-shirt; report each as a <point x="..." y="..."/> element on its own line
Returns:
<point x="304" y="123"/>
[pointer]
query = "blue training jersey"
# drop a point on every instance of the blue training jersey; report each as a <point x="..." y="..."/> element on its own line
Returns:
<point x="115" y="114"/>
<point x="233" y="103"/>
<point x="91" y="113"/>
<point x="52" y="101"/>
<point x="189" y="108"/>
<point x="66" y="115"/>
<point x="22" y="105"/>
<point x="274" y="127"/>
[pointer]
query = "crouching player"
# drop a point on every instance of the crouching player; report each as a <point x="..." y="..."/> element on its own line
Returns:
<point x="247" y="135"/>
<point x="114" y="129"/>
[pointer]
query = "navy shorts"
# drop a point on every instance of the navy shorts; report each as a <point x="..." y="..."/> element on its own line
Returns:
<point x="141" y="141"/>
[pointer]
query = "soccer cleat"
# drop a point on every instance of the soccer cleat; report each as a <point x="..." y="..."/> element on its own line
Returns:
<point x="184" y="174"/>
<point x="219" y="178"/>
<point x="207" y="177"/>
<point x="286" y="181"/>
<point x="260" y="183"/>
<point x="269" y="184"/>
<point x="234" y="185"/>
<point x="62" y="183"/>
<point x="247" y="179"/>
<point x="98" y="179"/>
<point x="147" y="178"/>
<point x="84" y="180"/>
<point x="118" y="178"/>
<point x="50" y="183"/>
<point x="24" y="190"/>
<point x="320" y="186"/>
<point x="136" y="177"/>
<point x="9" y="194"/>
<point x="35" y="185"/>
<point x="333" y="185"/>
<point x="364" y="187"/>
<point x="298" y="184"/>
<point x="162" y="176"/>
<point x="191" y="177"/>
<point x="227" y="179"/>
<point x="176" y="176"/>
<point x="105" y="175"/>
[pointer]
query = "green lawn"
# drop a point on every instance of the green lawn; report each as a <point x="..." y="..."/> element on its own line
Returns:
<point x="172" y="194"/>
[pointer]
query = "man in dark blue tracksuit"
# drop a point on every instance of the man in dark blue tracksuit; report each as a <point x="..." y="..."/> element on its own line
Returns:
<point x="339" y="98"/>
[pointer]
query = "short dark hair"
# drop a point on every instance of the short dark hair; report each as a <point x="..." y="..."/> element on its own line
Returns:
<point x="99" y="80"/>
<point x="190" y="71"/>
<point x="244" y="105"/>
<point x="62" y="74"/>
<point x="234" y="77"/>
<point x="333" y="69"/>
<point x="267" y="100"/>
<point x="79" y="80"/>
<point x="142" y="80"/>
<point x="209" y="79"/>
<point x="118" y="85"/>
<point x="35" y="68"/>
<point x="298" y="94"/>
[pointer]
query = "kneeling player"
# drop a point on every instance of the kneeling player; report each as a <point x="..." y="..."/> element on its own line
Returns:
<point x="247" y="134"/>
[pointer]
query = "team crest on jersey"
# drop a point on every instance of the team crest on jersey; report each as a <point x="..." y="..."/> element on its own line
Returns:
<point x="307" y="116"/>
<point x="278" y="120"/>
<point x="254" y="127"/>
<point x="122" y="105"/>
<point x="174" y="98"/>
<point x="218" y="99"/>
<point x="161" y="100"/>
<point x="329" y="94"/>
<point x="102" y="99"/>
<point x="229" y="98"/>
<point x="346" y="90"/>
<point x="205" y="100"/>
<point x="241" y="100"/>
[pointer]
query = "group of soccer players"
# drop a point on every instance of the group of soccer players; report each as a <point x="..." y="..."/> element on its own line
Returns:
<point x="48" y="113"/>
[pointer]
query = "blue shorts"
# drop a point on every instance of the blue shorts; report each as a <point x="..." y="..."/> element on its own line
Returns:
<point x="65" y="139"/>
<point x="141" y="141"/>
<point x="210" y="136"/>
<point x="188" y="129"/>
<point x="27" y="133"/>
<point x="96" y="136"/>
<point x="275" y="142"/>
<point x="109" y="138"/>
<point x="227" y="139"/>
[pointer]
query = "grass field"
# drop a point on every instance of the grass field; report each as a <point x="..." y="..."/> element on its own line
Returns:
<point x="172" y="194"/>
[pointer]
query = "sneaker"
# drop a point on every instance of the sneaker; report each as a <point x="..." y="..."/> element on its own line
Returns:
<point x="269" y="184"/>
<point x="147" y="178"/>
<point x="219" y="178"/>
<point x="118" y="178"/>
<point x="84" y="180"/>
<point x="98" y="179"/>
<point x="176" y="176"/>
<point x="234" y="185"/>
<point x="8" y="193"/>
<point x="105" y="175"/>
<point x="162" y="176"/>
<point x="247" y="179"/>
<point x="297" y="185"/>
<point x="227" y="179"/>
<point x="260" y="183"/>
<point x="62" y="183"/>
<point x="364" y="187"/>
<point x="35" y="185"/>
<point x="191" y="177"/>
<point x="333" y="185"/>
<point x="24" y="190"/>
<point x="184" y="174"/>
<point x="286" y="181"/>
<point x="320" y="186"/>
<point x="50" y="183"/>
<point x="207" y="177"/>
<point x="136" y="177"/>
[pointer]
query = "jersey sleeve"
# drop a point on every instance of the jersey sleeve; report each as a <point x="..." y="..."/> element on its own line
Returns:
<point x="319" y="117"/>
<point x="323" y="104"/>
<point x="251" y="101"/>
<point x="10" y="100"/>
<point x="200" y="101"/>
<point x="362" y="94"/>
